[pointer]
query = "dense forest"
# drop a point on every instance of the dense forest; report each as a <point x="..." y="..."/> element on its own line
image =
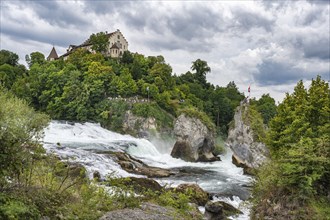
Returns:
<point x="92" y="87"/>
<point x="79" y="88"/>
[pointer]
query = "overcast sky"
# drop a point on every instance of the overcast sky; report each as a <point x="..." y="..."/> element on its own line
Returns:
<point x="269" y="45"/>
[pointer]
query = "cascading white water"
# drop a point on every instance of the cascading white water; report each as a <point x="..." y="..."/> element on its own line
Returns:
<point x="88" y="143"/>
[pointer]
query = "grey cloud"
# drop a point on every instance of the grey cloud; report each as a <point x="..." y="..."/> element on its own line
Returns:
<point x="312" y="16"/>
<point x="275" y="73"/>
<point x="106" y="7"/>
<point x="313" y="46"/>
<point x="192" y="27"/>
<point x="198" y="46"/>
<point x="57" y="13"/>
<point x="199" y="22"/>
<point x="59" y="38"/>
<point x="319" y="49"/>
<point x="246" y="20"/>
<point x="319" y="2"/>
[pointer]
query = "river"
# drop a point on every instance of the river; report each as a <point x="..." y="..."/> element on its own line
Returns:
<point x="85" y="142"/>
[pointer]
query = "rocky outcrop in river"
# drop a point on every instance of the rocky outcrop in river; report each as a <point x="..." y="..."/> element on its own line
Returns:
<point x="136" y="166"/>
<point x="219" y="210"/>
<point x="195" y="142"/>
<point x="247" y="151"/>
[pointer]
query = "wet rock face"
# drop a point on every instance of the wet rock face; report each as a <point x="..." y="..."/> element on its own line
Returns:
<point x="247" y="152"/>
<point x="219" y="210"/>
<point x="136" y="166"/>
<point x="195" y="142"/>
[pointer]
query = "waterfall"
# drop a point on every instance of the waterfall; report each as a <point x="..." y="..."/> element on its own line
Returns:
<point x="89" y="143"/>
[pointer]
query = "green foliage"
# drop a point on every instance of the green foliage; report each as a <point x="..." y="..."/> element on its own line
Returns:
<point x="201" y="68"/>
<point x="11" y="208"/>
<point x="173" y="199"/>
<point x="55" y="189"/>
<point x="266" y="106"/>
<point x="10" y="71"/>
<point x="8" y="57"/>
<point x="100" y="42"/>
<point x="219" y="145"/>
<point x="254" y="119"/>
<point x="20" y="129"/>
<point x="113" y="117"/>
<point x="299" y="138"/>
<point x="35" y="58"/>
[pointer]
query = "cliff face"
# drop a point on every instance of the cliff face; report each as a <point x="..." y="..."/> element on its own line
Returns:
<point x="247" y="151"/>
<point x="139" y="126"/>
<point x="194" y="141"/>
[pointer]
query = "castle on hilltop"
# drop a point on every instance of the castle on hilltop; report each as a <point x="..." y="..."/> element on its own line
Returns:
<point x="117" y="46"/>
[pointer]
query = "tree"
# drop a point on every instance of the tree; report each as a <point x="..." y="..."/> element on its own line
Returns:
<point x="139" y="67"/>
<point x="35" y="57"/>
<point x="299" y="140"/>
<point x="127" y="57"/>
<point x="201" y="68"/>
<point x="8" y="57"/>
<point x="100" y="42"/>
<point x="163" y="71"/>
<point x="127" y="86"/>
<point x="266" y="106"/>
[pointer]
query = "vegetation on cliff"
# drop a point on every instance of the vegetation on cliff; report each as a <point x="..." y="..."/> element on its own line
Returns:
<point x="85" y="86"/>
<point x="295" y="183"/>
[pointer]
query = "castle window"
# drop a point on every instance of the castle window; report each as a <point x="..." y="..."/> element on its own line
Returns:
<point x="118" y="36"/>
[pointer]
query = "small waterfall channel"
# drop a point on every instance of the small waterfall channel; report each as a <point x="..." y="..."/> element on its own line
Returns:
<point x="88" y="143"/>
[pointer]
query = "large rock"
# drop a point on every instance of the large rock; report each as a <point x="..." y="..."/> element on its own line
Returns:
<point x="219" y="210"/>
<point x="139" y="126"/>
<point x="139" y="185"/>
<point x="195" y="142"/>
<point x="150" y="211"/>
<point x="247" y="152"/>
<point x="136" y="166"/>
<point x="197" y="194"/>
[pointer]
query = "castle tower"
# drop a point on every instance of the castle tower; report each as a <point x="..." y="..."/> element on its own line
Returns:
<point x="53" y="55"/>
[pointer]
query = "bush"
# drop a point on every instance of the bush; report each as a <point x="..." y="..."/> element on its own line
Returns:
<point x="20" y="129"/>
<point x="254" y="119"/>
<point x="193" y="112"/>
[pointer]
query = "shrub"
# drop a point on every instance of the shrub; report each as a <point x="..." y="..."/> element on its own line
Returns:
<point x="193" y="112"/>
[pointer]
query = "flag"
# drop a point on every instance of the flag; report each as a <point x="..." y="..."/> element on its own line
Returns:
<point x="249" y="89"/>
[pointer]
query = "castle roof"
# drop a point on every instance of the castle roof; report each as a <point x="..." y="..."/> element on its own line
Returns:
<point x="53" y="54"/>
<point x="114" y="46"/>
